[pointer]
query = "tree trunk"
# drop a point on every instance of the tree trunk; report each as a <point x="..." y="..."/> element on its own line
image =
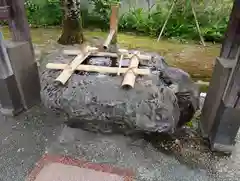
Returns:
<point x="72" y="32"/>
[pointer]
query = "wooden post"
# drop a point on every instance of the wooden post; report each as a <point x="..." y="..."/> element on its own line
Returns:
<point x="18" y="21"/>
<point x="19" y="56"/>
<point x="114" y="28"/>
<point x="112" y="37"/>
<point x="10" y="98"/>
<point x="114" y="22"/>
<point x="232" y="37"/>
<point x="220" y="115"/>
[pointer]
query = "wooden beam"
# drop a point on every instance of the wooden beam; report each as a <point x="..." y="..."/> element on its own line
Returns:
<point x="69" y="69"/>
<point x="100" y="69"/>
<point x="114" y="25"/>
<point x="18" y="21"/>
<point x="107" y="54"/>
<point x="231" y="42"/>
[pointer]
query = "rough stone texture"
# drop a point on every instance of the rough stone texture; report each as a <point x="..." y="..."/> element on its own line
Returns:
<point x="158" y="103"/>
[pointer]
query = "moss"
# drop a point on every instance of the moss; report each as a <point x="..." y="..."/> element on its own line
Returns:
<point x="203" y="88"/>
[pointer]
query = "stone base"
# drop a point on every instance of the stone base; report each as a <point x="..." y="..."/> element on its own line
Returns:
<point x="96" y="102"/>
<point x="10" y="112"/>
<point x="10" y="99"/>
<point x="26" y="72"/>
<point x="218" y="83"/>
<point x="222" y="148"/>
<point x="226" y="127"/>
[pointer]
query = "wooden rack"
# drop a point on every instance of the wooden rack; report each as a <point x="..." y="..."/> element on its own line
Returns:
<point x="130" y="73"/>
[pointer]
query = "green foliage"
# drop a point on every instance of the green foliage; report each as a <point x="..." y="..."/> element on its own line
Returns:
<point x="44" y="12"/>
<point x="99" y="16"/>
<point x="212" y="16"/>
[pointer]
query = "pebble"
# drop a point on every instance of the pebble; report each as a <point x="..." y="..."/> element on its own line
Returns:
<point x="203" y="94"/>
<point x="177" y="141"/>
<point x="20" y="150"/>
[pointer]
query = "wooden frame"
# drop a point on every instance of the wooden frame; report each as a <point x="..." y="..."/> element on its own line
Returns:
<point x="130" y="73"/>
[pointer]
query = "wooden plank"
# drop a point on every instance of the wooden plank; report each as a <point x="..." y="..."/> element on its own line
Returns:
<point x="100" y="69"/>
<point x="130" y="76"/>
<point x="97" y="54"/>
<point x="69" y="69"/>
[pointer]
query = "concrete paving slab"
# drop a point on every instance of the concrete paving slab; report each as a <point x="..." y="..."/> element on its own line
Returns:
<point x="57" y="171"/>
<point x="63" y="168"/>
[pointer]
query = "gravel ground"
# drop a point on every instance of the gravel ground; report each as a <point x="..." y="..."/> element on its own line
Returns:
<point x="24" y="140"/>
<point x="152" y="157"/>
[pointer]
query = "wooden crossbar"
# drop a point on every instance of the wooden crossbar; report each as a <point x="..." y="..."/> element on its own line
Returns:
<point x="130" y="73"/>
<point x="107" y="54"/>
<point x="99" y="69"/>
<point x="70" y="68"/>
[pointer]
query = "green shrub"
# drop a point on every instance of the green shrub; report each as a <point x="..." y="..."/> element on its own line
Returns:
<point x="44" y="13"/>
<point x="212" y="16"/>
